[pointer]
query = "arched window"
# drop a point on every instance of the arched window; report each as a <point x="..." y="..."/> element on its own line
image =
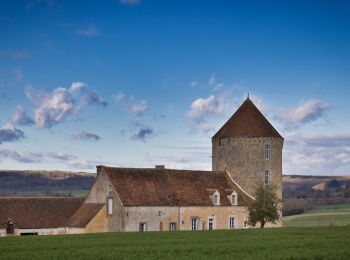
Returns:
<point x="267" y="152"/>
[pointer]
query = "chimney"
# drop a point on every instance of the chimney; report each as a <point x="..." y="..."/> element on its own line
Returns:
<point x="160" y="167"/>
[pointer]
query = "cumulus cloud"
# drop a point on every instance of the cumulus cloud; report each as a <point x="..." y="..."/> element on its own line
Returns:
<point x="119" y="97"/>
<point x="129" y="2"/>
<point x="317" y="154"/>
<point x="8" y="133"/>
<point x="143" y="134"/>
<point x="139" y="108"/>
<point x="306" y="112"/>
<point x="20" y="117"/>
<point x="62" y="103"/>
<point x="77" y="86"/>
<point x="203" y="107"/>
<point x="14" y="54"/>
<point x="83" y="135"/>
<point x="54" y="108"/>
<point x="89" y="31"/>
<point x="23" y="157"/>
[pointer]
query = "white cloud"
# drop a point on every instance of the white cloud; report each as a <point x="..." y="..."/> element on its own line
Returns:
<point x="23" y="157"/>
<point x="119" y="97"/>
<point x="8" y="133"/>
<point x="139" y="109"/>
<point x="83" y="135"/>
<point x="20" y="117"/>
<point x="77" y="86"/>
<point x="61" y="156"/>
<point x="203" y="107"/>
<point x="62" y="103"/>
<point x="306" y="112"/>
<point x="55" y="108"/>
<point x="317" y="154"/>
<point x="82" y="164"/>
<point x="89" y="31"/>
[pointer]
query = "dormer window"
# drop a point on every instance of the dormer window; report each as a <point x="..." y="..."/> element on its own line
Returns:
<point x="216" y="198"/>
<point x="234" y="198"/>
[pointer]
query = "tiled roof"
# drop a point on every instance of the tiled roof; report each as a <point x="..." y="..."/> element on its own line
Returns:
<point x="38" y="212"/>
<point x="247" y="121"/>
<point x="84" y="214"/>
<point x="169" y="187"/>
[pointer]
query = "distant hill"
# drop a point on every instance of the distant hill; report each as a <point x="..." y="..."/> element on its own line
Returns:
<point x="297" y="189"/>
<point x="45" y="183"/>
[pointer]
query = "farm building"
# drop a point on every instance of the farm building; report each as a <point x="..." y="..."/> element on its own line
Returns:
<point x="247" y="151"/>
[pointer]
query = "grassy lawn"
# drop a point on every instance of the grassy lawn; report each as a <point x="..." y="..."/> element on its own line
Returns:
<point x="328" y="215"/>
<point x="279" y="243"/>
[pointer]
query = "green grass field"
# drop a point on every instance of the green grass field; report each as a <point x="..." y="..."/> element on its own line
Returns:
<point x="328" y="215"/>
<point x="278" y="243"/>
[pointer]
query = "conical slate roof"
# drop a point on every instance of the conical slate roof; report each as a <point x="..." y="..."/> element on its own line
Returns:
<point x="247" y="121"/>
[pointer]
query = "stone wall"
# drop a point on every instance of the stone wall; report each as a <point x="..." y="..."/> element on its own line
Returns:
<point x="243" y="158"/>
<point x="100" y="192"/>
<point x="159" y="218"/>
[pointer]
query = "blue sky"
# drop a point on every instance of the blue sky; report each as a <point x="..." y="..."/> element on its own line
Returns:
<point x="138" y="83"/>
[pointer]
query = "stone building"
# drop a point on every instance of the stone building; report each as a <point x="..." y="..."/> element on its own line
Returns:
<point x="249" y="148"/>
<point x="247" y="151"/>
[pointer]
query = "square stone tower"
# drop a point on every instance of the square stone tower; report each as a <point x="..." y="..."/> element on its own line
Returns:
<point x="249" y="148"/>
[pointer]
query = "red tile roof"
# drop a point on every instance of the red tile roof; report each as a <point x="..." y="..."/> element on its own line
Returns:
<point x="247" y="121"/>
<point x="38" y="212"/>
<point x="169" y="187"/>
<point x="84" y="214"/>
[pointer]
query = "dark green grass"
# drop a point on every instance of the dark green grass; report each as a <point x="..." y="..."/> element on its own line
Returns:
<point x="278" y="243"/>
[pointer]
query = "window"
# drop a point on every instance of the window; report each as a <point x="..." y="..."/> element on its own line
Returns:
<point x="246" y="224"/>
<point x="267" y="152"/>
<point x="172" y="226"/>
<point x="194" y="223"/>
<point x="110" y="206"/>
<point x="266" y="176"/>
<point x="234" y="198"/>
<point x="232" y="223"/>
<point x="216" y="198"/>
<point x="211" y="223"/>
<point x="143" y="227"/>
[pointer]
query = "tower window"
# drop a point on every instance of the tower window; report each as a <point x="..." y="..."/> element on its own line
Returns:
<point x="266" y="176"/>
<point x="267" y="152"/>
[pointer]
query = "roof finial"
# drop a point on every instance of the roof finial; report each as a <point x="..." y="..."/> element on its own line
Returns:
<point x="248" y="95"/>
